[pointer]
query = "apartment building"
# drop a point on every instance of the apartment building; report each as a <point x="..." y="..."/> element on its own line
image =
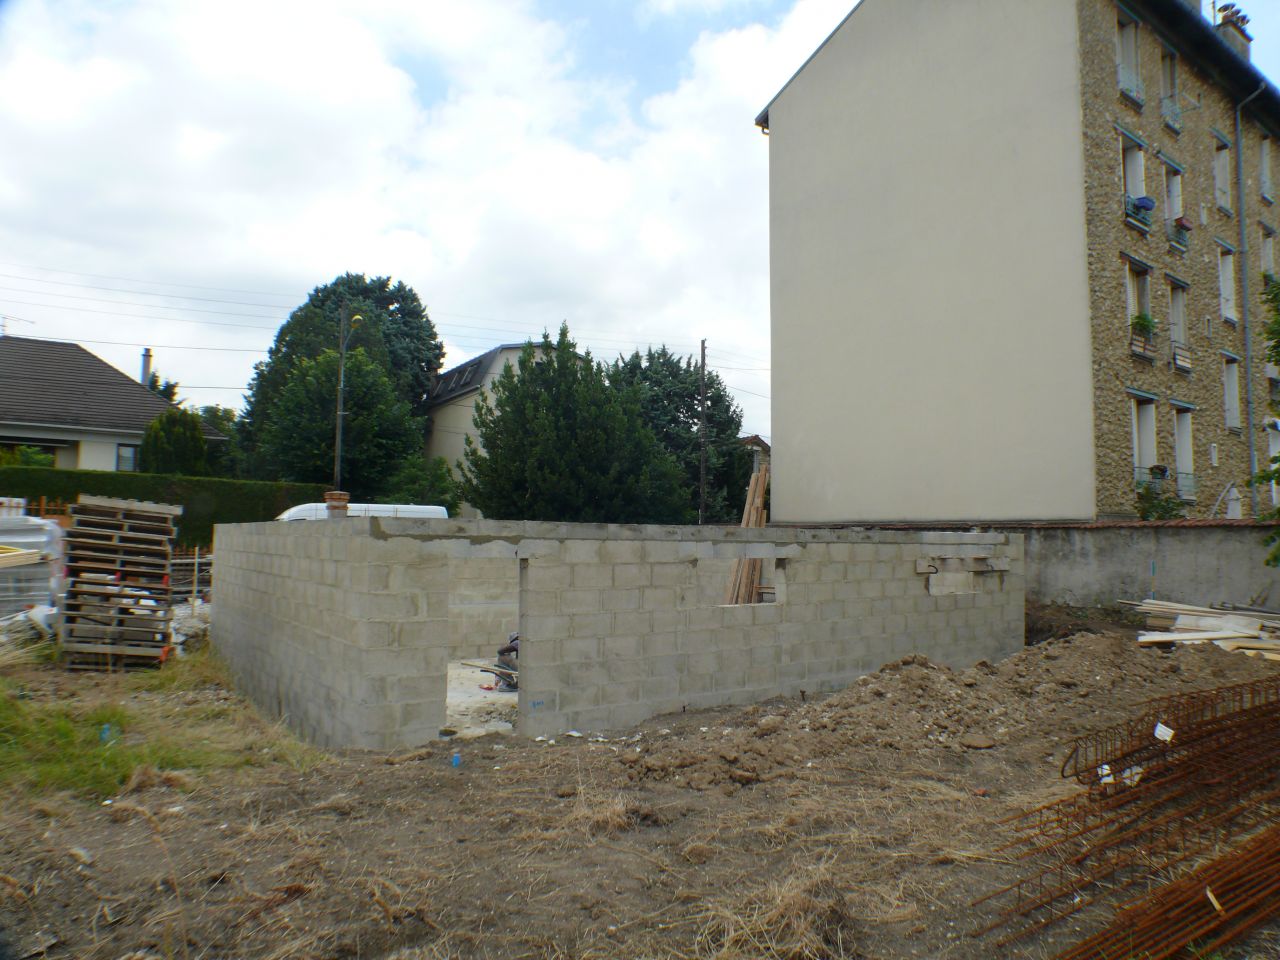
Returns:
<point x="1017" y="257"/>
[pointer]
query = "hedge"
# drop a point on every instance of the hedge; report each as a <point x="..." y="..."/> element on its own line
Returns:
<point x="205" y="500"/>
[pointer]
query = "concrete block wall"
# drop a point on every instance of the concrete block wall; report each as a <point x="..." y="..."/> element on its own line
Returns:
<point x="345" y="627"/>
<point x="345" y="639"/>
<point x="615" y="632"/>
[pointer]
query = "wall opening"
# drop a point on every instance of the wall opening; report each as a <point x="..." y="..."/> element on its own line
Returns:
<point x="484" y="615"/>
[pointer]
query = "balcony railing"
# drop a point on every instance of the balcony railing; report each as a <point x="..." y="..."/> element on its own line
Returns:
<point x="1138" y="209"/>
<point x="1188" y="486"/>
<point x="1142" y="346"/>
<point x="1154" y="478"/>
<point x="1178" y="235"/>
<point x="1181" y="356"/>
<point x="1130" y="82"/>
<point x="1171" y="111"/>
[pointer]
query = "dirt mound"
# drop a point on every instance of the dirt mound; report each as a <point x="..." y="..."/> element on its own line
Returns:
<point x="1050" y="693"/>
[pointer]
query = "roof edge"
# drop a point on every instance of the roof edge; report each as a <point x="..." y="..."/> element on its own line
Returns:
<point x="762" y="118"/>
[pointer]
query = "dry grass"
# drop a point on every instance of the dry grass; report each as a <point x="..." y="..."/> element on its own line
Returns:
<point x="805" y="917"/>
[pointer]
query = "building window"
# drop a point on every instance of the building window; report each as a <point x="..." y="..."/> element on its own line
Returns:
<point x="1178" y="325"/>
<point x="1183" y="457"/>
<point x="1268" y="250"/>
<point x="1170" y="108"/>
<point x="126" y="457"/>
<point x="1144" y="439"/>
<point x="1264" y="168"/>
<point x="1127" y="73"/>
<point x="1227" y="284"/>
<point x="1222" y="175"/>
<point x="1231" y="391"/>
<point x="1137" y="205"/>
<point x="1273" y="447"/>
<point x="1138" y="289"/>
<point x="1179" y="226"/>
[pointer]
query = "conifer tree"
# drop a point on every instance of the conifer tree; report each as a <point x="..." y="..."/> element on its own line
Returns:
<point x="174" y="443"/>
<point x="557" y="442"/>
<point x="669" y="390"/>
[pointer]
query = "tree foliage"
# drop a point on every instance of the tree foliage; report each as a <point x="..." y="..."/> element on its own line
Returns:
<point x="379" y="433"/>
<point x="394" y="332"/>
<point x="224" y="456"/>
<point x="669" y="392"/>
<point x="424" y="481"/>
<point x="25" y="456"/>
<point x="557" y="442"/>
<point x="1153" y="502"/>
<point x="166" y="388"/>
<point x="174" y="443"/>
<point x="1271" y="294"/>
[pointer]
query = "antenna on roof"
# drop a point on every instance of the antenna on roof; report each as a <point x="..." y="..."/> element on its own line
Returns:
<point x="5" y="320"/>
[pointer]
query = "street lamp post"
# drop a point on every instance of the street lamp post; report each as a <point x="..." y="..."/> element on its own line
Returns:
<point x="346" y="326"/>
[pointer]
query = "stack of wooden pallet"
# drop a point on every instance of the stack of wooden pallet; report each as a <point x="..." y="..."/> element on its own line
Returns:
<point x="117" y="609"/>
<point x="1250" y="631"/>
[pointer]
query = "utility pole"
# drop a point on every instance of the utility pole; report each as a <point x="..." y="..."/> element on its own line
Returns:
<point x="702" y="436"/>
<point x="344" y="334"/>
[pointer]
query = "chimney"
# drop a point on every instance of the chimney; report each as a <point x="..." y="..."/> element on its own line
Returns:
<point x="1231" y="28"/>
<point x="146" y="365"/>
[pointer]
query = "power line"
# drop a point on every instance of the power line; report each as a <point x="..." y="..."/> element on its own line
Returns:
<point x="132" y="303"/>
<point x="137" y="293"/>
<point x="137" y="316"/>
<point x="155" y="346"/>
<point x="154" y="283"/>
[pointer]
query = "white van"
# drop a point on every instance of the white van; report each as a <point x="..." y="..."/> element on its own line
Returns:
<point x="318" y="511"/>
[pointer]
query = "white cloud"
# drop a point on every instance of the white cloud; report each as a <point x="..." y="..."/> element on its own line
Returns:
<point x="668" y="8"/>
<point x="458" y="146"/>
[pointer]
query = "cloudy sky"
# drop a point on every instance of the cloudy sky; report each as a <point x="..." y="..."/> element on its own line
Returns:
<point x="181" y="174"/>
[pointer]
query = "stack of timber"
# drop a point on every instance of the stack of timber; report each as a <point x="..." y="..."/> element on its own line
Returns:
<point x="744" y="581"/>
<point x="17" y="556"/>
<point x="1251" y="631"/>
<point x="117" y="612"/>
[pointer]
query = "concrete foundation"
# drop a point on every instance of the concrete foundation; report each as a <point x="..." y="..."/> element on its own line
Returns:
<point x="346" y="627"/>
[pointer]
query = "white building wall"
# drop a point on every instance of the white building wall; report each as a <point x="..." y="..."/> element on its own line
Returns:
<point x="931" y="351"/>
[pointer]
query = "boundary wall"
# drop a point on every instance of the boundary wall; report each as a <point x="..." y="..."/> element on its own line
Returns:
<point x="345" y="627"/>
<point x="1199" y="562"/>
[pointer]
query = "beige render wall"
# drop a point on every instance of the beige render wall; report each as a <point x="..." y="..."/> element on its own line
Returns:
<point x="929" y="292"/>
<point x="1206" y="108"/>
<point x="343" y="626"/>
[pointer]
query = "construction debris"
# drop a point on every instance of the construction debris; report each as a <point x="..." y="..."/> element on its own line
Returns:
<point x="117" y="608"/>
<point x="1186" y="775"/>
<point x="1250" y="631"/>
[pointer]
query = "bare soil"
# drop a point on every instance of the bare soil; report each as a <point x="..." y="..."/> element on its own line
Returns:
<point x="856" y="825"/>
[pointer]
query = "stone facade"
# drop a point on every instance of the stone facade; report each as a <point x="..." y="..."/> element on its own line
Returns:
<point x="1187" y="139"/>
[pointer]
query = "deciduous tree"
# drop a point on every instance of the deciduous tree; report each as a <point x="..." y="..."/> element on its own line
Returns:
<point x="379" y="435"/>
<point x="394" y="332"/>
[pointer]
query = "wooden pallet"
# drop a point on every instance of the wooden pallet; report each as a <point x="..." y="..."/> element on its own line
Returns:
<point x="116" y="614"/>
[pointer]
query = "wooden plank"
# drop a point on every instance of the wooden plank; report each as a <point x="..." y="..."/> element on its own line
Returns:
<point x="1147" y="639"/>
<point x="129" y="506"/>
<point x="113" y="650"/>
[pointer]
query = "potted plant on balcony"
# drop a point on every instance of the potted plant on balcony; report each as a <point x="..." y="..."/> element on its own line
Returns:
<point x="1182" y="223"/>
<point x="1142" y="326"/>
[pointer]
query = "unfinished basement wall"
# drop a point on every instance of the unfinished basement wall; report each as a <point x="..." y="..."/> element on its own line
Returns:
<point x="343" y="626"/>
